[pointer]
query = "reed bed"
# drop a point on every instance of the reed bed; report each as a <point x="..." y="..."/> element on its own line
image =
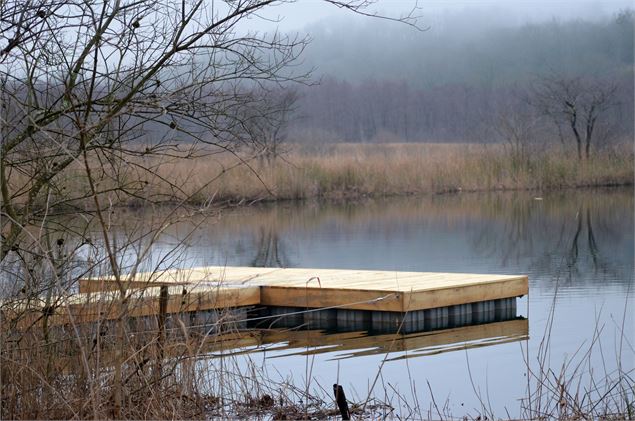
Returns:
<point x="341" y="171"/>
<point x="139" y="368"/>
<point x="359" y="170"/>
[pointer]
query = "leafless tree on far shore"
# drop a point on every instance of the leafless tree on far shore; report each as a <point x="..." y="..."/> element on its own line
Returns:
<point x="575" y="104"/>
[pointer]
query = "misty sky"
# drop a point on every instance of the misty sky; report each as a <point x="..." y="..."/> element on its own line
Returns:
<point x="304" y="13"/>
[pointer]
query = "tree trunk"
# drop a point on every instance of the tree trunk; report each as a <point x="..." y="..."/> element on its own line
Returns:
<point x="589" y="134"/>
<point x="578" y="139"/>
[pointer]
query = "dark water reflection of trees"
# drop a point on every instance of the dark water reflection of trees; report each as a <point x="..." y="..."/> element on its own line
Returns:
<point x="577" y="237"/>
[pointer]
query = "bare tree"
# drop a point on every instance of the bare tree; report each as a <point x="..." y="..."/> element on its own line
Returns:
<point x="576" y="103"/>
<point x="518" y="129"/>
<point x="88" y="89"/>
<point x="268" y="125"/>
<point x="94" y="96"/>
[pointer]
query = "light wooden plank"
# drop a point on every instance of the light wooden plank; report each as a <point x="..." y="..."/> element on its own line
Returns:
<point x="299" y="287"/>
<point x="105" y="305"/>
<point x="329" y="297"/>
<point x="424" y="299"/>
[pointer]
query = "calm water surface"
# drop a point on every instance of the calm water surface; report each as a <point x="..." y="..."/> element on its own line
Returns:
<point x="575" y="246"/>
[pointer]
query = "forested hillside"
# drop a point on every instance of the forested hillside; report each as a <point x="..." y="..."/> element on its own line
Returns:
<point x="457" y="79"/>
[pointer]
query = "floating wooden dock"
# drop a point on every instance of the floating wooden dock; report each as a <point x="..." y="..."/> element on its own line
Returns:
<point x="359" y="298"/>
<point x="238" y="309"/>
<point x="352" y="296"/>
<point x="348" y="289"/>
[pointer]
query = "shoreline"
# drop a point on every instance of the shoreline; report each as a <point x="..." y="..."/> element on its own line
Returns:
<point x="352" y="198"/>
<point x="344" y="172"/>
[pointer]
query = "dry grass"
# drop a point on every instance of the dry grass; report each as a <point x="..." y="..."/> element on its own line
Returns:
<point x="342" y="171"/>
<point x="186" y="372"/>
<point x="354" y="170"/>
<point x="70" y="372"/>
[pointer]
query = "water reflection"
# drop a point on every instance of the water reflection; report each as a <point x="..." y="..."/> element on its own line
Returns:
<point x="576" y="247"/>
<point x="269" y="249"/>
<point x="211" y="343"/>
<point x="579" y="236"/>
<point x="281" y="343"/>
<point x="576" y="237"/>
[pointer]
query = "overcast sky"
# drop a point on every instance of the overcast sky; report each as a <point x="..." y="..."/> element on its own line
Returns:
<point x="298" y="16"/>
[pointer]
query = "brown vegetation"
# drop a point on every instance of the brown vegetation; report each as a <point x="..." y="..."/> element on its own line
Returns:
<point x="178" y="372"/>
<point x="360" y="170"/>
<point x="181" y="368"/>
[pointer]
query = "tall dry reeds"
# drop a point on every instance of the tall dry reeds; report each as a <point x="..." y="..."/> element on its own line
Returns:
<point x="359" y="170"/>
<point x="354" y="171"/>
<point x="169" y="371"/>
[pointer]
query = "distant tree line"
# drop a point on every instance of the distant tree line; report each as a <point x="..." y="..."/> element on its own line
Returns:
<point x="464" y="86"/>
<point x="386" y="111"/>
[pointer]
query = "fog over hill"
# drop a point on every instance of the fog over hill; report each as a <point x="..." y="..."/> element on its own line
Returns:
<point x="302" y="15"/>
<point x="380" y="80"/>
<point x="465" y="49"/>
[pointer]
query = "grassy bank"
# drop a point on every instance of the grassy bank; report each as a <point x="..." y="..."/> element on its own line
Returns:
<point x="358" y="170"/>
<point x="334" y="172"/>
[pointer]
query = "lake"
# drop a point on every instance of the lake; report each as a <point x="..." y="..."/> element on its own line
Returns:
<point x="576" y="246"/>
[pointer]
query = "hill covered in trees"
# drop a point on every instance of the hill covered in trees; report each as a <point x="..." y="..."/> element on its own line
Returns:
<point x="457" y="79"/>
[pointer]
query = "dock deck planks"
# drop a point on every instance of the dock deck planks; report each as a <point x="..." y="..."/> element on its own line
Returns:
<point x="91" y="306"/>
<point x="349" y="289"/>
